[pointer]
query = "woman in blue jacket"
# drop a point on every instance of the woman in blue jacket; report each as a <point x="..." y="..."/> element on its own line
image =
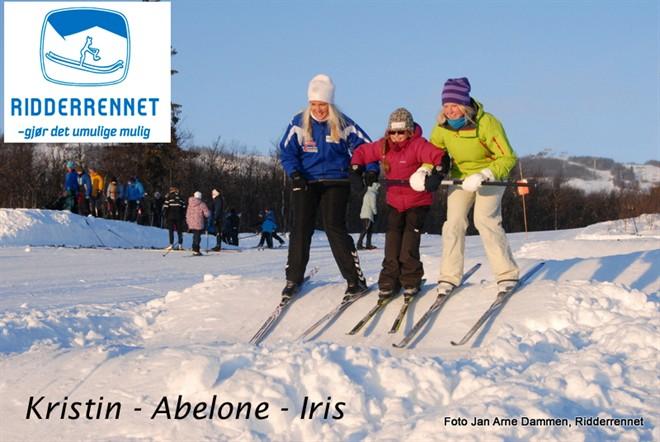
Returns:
<point x="315" y="152"/>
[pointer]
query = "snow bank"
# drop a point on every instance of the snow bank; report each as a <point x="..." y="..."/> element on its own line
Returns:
<point x="34" y="227"/>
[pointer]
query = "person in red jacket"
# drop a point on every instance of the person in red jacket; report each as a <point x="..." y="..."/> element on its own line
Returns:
<point x="402" y="153"/>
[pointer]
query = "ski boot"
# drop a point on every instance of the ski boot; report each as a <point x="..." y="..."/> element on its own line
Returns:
<point x="290" y="289"/>
<point x="444" y="288"/>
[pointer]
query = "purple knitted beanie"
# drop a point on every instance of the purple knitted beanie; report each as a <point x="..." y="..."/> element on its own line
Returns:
<point x="457" y="90"/>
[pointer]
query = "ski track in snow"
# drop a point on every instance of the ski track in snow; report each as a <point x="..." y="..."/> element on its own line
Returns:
<point x="132" y="326"/>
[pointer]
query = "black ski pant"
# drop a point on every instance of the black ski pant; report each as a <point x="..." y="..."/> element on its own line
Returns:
<point x="233" y="237"/>
<point x="402" y="266"/>
<point x="278" y="237"/>
<point x="197" y="239"/>
<point x="367" y="230"/>
<point x="332" y="199"/>
<point x="172" y="225"/>
<point x="218" y="233"/>
<point x="266" y="237"/>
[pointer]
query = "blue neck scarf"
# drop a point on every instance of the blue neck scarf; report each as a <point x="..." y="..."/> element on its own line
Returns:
<point x="457" y="123"/>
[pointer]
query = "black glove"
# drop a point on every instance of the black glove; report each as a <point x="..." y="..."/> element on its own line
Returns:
<point x="432" y="181"/>
<point x="370" y="177"/>
<point x="298" y="182"/>
<point x="445" y="164"/>
<point x="355" y="177"/>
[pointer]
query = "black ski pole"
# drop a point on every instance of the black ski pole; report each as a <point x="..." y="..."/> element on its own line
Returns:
<point x="518" y="183"/>
<point x="121" y="237"/>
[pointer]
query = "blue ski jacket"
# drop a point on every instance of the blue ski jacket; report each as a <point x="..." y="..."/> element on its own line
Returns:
<point x="85" y="183"/>
<point x="269" y="224"/>
<point x="321" y="158"/>
<point x="71" y="182"/>
<point x="134" y="191"/>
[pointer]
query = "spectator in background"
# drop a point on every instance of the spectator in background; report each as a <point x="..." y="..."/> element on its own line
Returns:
<point x="96" y="197"/>
<point x="113" y="197"/>
<point x="173" y="212"/>
<point x="368" y="215"/>
<point x="84" y="191"/>
<point x="70" y="187"/>
<point x="231" y="227"/>
<point x="218" y="209"/>
<point x="134" y="197"/>
<point x="156" y="210"/>
<point x="195" y="214"/>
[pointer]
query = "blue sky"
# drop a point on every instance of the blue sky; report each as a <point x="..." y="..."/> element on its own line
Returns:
<point x="578" y="77"/>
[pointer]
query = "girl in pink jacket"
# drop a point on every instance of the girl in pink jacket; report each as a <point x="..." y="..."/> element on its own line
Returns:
<point x="195" y="215"/>
<point x="402" y="151"/>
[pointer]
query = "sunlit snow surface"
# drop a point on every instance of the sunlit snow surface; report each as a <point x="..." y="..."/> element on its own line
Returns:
<point x="107" y="315"/>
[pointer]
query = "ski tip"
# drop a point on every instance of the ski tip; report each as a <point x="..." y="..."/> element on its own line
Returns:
<point x="398" y="345"/>
<point x="455" y="343"/>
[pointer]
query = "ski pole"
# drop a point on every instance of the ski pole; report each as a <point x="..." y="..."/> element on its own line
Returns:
<point x="121" y="237"/>
<point x="207" y="241"/>
<point x="518" y="183"/>
<point x="249" y="236"/>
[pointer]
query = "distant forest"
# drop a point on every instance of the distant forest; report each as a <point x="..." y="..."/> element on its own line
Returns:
<point x="32" y="176"/>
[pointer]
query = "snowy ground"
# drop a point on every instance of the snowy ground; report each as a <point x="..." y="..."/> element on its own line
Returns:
<point x="112" y="324"/>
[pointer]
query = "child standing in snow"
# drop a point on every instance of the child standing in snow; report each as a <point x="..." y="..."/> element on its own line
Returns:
<point x="402" y="151"/>
<point x="195" y="215"/>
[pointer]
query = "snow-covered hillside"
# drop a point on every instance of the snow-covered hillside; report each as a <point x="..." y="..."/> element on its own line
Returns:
<point x="592" y="174"/>
<point x="115" y="322"/>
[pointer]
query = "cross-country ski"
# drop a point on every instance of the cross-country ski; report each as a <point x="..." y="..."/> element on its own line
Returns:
<point x="271" y="321"/>
<point x="500" y="301"/>
<point x="440" y="301"/>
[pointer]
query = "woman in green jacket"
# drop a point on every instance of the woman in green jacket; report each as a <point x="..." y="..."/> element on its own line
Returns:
<point x="480" y="152"/>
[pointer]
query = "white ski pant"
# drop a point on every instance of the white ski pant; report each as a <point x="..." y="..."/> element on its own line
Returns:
<point x="487" y="203"/>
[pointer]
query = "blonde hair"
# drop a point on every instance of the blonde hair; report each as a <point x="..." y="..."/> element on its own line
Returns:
<point x="335" y="120"/>
<point x="468" y="111"/>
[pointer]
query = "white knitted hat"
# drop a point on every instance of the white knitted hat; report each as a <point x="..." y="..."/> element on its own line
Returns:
<point x="198" y="195"/>
<point x="321" y="88"/>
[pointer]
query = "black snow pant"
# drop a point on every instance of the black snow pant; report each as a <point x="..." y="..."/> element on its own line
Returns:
<point x="367" y="230"/>
<point x="172" y="225"/>
<point x="278" y="237"/>
<point x="197" y="239"/>
<point x="402" y="266"/>
<point x="332" y="199"/>
<point x="218" y="233"/>
<point x="266" y="237"/>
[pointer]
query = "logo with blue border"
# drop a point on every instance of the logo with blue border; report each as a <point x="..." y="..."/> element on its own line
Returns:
<point x="85" y="47"/>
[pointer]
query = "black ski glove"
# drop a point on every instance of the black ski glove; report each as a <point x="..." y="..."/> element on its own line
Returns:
<point x="432" y="181"/>
<point x="298" y="182"/>
<point x="355" y="178"/>
<point x="370" y="177"/>
<point x="445" y="164"/>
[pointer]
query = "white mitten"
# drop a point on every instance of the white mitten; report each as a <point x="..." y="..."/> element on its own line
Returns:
<point x="418" y="179"/>
<point x="472" y="183"/>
